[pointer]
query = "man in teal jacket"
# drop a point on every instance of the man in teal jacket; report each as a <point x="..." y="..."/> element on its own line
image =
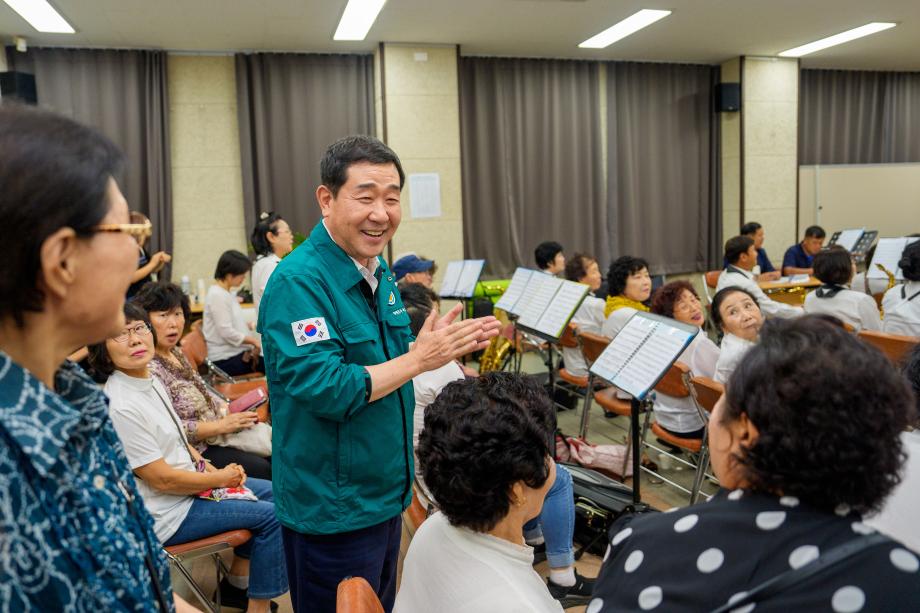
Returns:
<point x="336" y="341"/>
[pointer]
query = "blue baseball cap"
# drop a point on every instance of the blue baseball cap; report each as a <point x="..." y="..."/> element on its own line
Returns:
<point x="410" y="263"/>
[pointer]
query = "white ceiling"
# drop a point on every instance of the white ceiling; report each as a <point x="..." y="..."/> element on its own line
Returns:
<point x="707" y="31"/>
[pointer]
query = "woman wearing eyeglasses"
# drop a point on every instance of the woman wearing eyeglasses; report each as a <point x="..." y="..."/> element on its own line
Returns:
<point x="73" y="531"/>
<point x="186" y="496"/>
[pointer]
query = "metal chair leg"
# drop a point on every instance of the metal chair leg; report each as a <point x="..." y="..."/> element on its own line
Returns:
<point x="701" y="468"/>
<point x="194" y="586"/>
<point x="586" y="408"/>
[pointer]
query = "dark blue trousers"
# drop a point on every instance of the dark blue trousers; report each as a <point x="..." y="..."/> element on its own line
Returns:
<point x="316" y="563"/>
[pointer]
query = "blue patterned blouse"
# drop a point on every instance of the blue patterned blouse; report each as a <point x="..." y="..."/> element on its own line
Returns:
<point x="68" y="539"/>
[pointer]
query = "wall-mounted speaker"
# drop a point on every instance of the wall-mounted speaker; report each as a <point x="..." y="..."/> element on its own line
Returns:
<point x="728" y="97"/>
<point x="18" y="86"/>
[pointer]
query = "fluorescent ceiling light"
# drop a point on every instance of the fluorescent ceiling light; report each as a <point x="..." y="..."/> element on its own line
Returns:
<point x="838" y="39"/>
<point x="630" y="25"/>
<point x="41" y="16"/>
<point x="357" y="19"/>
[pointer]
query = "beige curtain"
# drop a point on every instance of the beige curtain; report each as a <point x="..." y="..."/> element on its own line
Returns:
<point x="291" y="107"/>
<point x="532" y="159"/>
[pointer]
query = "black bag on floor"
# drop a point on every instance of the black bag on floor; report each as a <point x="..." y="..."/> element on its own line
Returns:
<point x="599" y="501"/>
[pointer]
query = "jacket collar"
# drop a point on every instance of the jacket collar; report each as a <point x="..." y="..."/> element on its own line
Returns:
<point x="42" y="421"/>
<point x="741" y="271"/>
<point x="345" y="274"/>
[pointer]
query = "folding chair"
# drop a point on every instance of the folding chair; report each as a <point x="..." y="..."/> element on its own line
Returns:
<point x="355" y="595"/>
<point x="566" y="381"/>
<point x="710" y="282"/>
<point x="705" y="393"/>
<point x="421" y="508"/>
<point x="212" y="546"/>
<point x="894" y="346"/>
<point x="195" y="348"/>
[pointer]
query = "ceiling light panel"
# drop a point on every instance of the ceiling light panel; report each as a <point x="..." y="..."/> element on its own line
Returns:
<point x="621" y="30"/>
<point x="357" y="19"/>
<point x="838" y="39"/>
<point x="41" y="16"/>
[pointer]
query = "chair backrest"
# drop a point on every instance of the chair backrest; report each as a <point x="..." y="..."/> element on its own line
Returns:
<point x="895" y="346"/>
<point x="355" y="595"/>
<point x="568" y="338"/>
<point x="194" y="346"/>
<point x="592" y="345"/>
<point x="672" y="383"/>
<point x="706" y="391"/>
<point x="712" y="278"/>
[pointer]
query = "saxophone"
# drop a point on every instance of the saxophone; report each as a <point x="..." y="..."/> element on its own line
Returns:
<point x="493" y="358"/>
<point x="892" y="281"/>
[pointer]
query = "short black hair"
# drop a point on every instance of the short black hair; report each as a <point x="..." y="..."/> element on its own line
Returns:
<point x="419" y="301"/>
<point x="545" y="253"/>
<point x="576" y="267"/>
<point x="808" y="404"/>
<point x="750" y="228"/>
<point x="231" y="262"/>
<point x="910" y="262"/>
<point x="162" y="296"/>
<point x="833" y="266"/>
<point x="267" y="222"/>
<point x="815" y="232"/>
<point x="482" y="435"/>
<point x="720" y="297"/>
<point x="736" y="246"/>
<point x="620" y="270"/>
<point x="99" y="358"/>
<point x="350" y="150"/>
<point x="54" y="173"/>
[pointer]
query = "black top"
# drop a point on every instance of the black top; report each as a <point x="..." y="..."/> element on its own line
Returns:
<point x="135" y="287"/>
<point x="699" y="557"/>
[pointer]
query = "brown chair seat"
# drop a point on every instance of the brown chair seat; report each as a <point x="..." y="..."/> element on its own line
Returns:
<point x="690" y="444"/>
<point x="611" y="404"/>
<point x="712" y="278"/>
<point x="232" y="538"/>
<point x="568" y="377"/>
<point x="355" y="595"/>
<point x="894" y="346"/>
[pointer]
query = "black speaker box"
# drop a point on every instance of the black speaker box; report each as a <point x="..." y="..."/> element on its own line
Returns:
<point x="19" y="86"/>
<point x="728" y="97"/>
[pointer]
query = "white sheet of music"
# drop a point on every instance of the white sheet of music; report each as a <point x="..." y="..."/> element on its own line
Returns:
<point x="887" y="253"/>
<point x="849" y="238"/>
<point x="535" y="281"/>
<point x="451" y="278"/>
<point x="515" y="289"/>
<point x="561" y="308"/>
<point x="538" y="296"/>
<point x="612" y="360"/>
<point x="469" y="277"/>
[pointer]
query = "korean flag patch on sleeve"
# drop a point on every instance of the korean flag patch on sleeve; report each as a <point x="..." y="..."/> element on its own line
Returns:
<point x="310" y="330"/>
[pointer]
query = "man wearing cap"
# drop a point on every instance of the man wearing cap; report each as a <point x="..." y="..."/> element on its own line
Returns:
<point x="339" y="367"/>
<point x="411" y="268"/>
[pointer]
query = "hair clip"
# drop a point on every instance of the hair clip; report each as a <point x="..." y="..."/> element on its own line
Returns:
<point x="264" y="216"/>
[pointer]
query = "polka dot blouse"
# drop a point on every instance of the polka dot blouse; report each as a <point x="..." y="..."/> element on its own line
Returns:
<point x="704" y="556"/>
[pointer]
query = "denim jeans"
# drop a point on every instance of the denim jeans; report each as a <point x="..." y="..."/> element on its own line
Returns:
<point x="556" y="523"/>
<point x="267" y="571"/>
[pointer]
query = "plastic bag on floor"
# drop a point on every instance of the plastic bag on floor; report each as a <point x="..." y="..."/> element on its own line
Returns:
<point x="604" y="458"/>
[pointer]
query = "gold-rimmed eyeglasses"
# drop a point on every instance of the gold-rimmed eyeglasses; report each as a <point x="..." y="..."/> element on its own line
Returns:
<point x="139" y="329"/>
<point x="137" y="231"/>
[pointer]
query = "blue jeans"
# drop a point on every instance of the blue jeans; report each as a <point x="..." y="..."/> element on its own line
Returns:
<point x="556" y="523"/>
<point x="267" y="572"/>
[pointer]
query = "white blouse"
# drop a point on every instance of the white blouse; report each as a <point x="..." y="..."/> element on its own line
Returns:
<point x="901" y="305"/>
<point x="589" y="318"/>
<point x="680" y="414"/>
<point x="263" y="268"/>
<point x="855" y="308"/>
<point x="730" y="354"/>
<point x="223" y="325"/>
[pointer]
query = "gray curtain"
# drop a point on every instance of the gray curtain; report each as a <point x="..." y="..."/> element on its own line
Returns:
<point x="124" y="95"/>
<point x="663" y="165"/>
<point x="291" y="107"/>
<point x="859" y="117"/>
<point x="532" y="164"/>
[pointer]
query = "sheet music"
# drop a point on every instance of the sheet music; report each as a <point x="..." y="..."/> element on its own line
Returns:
<point x="469" y="277"/>
<point x="849" y="238"/>
<point x="535" y="281"/>
<point x="538" y="296"/>
<point x="451" y="278"/>
<point x="515" y="289"/>
<point x="560" y="310"/>
<point x="612" y="360"/>
<point x="799" y="279"/>
<point x="888" y="253"/>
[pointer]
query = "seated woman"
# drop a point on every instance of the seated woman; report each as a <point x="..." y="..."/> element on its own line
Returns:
<point x="182" y="492"/>
<point x="487" y="457"/>
<point x="582" y="268"/>
<point x="203" y="415"/>
<point x="901" y="303"/>
<point x="232" y="345"/>
<point x="272" y="239"/>
<point x="678" y="300"/>
<point x="736" y="314"/>
<point x="807" y="391"/>
<point x="629" y="287"/>
<point x="834" y="268"/>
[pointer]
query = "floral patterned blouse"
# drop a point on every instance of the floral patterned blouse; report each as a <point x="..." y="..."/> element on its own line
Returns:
<point x="191" y="399"/>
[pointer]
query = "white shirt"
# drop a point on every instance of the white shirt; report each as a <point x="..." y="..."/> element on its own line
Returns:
<point x="730" y="353"/>
<point x="427" y="386"/>
<point x="263" y="268"/>
<point x="224" y="327"/>
<point x="680" y="414"/>
<point x="589" y="318"/>
<point x="855" y="308"/>
<point x="902" y="314"/>
<point x="736" y="277"/>
<point x="455" y="570"/>
<point x="366" y="271"/>
<point x="898" y="517"/>
<point x="146" y="423"/>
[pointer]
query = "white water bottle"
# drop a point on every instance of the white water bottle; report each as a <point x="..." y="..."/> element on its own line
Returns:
<point x="186" y="285"/>
<point x="201" y="291"/>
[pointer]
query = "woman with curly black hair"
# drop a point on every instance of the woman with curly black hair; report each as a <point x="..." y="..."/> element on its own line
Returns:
<point x="486" y="456"/>
<point x="901" y="303"/>
<point x="628" y="284"/>
<point x="805" y="441"/>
